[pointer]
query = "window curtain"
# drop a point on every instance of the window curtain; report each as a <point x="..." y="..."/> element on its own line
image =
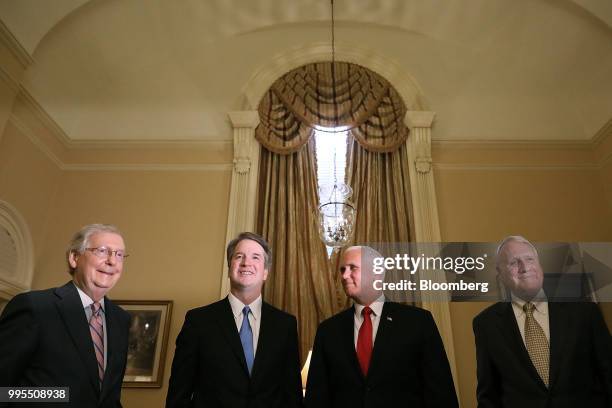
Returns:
<point x="303" y="281"/>
<point x="381" y="194"/>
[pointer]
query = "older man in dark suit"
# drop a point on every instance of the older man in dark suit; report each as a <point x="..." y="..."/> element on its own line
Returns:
<point x="377" y="353"/>
<point x="240" y="351"/>
<point x="72" y="336"/>
<point x="535" y="353"/>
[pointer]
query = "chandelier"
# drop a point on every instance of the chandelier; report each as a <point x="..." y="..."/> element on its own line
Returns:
<point x="337" y="213"/>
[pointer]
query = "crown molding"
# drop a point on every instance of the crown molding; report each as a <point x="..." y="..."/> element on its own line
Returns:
<point x="9" y="80"/>
<point x="515" y="167"/>
<point x="36" y="141"/>
<point x="221" y="167"/>
<point x="506" y="144"/>
<point x="7" y="38"/>
<point x="602" y="134"/>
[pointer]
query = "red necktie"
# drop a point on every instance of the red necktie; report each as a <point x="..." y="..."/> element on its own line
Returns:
<point x="364" y="341"/>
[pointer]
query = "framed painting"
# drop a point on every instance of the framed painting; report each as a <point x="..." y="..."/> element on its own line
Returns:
<point x="147" y="342"/>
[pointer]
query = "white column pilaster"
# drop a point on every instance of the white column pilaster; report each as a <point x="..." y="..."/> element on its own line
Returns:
<point x="426" y="221"/>
<point x="243" y="193"/>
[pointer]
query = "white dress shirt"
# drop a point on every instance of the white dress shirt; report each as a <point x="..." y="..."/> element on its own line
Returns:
<point x="540" y="313"/>
<point x="87" y="302"/>
<point x="254" y="316"/>
<point x="377" y="307"/>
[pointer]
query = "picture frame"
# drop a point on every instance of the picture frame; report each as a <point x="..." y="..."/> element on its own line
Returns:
<point x="147" y="342"/>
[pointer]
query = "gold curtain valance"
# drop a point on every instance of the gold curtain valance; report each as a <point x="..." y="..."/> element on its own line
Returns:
<point x="314" y="95"/>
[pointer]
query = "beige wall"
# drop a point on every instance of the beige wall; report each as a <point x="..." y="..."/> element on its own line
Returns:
<point x="488" y="191"/>
<point x="174" y="218"/>
<point x="29" y="182"/>
<point x="174" y="225"/>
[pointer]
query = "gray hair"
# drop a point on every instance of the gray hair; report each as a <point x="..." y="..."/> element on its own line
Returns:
<point x="513" y="238"/>
<point x="231" y="247"/>
<point x="80" y="240"/>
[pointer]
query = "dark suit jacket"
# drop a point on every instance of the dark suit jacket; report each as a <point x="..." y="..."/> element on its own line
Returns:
<point x="408" y="367"/>
<point x="209" y="369"/>
<point x="45" y="342"/>
<point x="580" y="359"/>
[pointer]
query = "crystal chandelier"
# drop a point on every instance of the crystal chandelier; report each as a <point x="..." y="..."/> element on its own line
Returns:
<point x="337" y="213"/>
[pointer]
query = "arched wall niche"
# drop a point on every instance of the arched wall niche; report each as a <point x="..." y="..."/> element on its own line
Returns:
<point x="19" y="279"/>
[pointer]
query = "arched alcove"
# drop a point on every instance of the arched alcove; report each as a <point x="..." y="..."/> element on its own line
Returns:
<point x="17" y="253"/>
<point x="405" y="85"/>
<point x="419" y="119"/>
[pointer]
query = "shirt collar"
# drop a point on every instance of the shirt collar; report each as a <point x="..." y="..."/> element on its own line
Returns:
<point x="376" y="306"/>
<point x="539" y="301"/>
<point x="237" y="306"/>
<point x="86" y="300"/>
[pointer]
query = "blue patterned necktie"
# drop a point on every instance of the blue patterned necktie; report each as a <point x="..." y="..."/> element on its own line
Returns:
<point x="246" y="338"/>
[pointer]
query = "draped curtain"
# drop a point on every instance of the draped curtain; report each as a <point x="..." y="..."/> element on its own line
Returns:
<point x="303" y="281"/>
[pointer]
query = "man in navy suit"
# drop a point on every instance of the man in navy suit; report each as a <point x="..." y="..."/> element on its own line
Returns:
<point x="377" y="353"/>
<point x="240" y="351"/>
<point x="534" y="352"/>
<point x="72" y="336"/>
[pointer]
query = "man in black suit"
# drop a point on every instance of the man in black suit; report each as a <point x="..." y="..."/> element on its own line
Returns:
<point x="377" y="353"/>
<point x="71" y="336"/>
<point x="535" y="353"/>
<point x="240" y="351"/>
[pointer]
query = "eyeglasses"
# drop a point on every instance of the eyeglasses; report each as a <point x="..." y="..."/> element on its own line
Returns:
<point x="104" y="252"/>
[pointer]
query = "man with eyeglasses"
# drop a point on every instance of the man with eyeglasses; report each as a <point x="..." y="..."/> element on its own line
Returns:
<point x="72" y="336"/>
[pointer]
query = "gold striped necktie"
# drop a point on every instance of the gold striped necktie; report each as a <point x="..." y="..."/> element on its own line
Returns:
<point x="537" y="343"/>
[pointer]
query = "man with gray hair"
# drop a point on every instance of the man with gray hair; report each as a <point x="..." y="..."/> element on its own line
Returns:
<point x="377" y="353"/>
<point x="532" y="352"/>
<point x="240" y="351"/>
<point x="72" y="336"/>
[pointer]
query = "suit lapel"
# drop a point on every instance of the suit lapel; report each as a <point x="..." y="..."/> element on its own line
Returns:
<point x="382" y="337"/>
<point x="114" y="339"/>
<point x="347" y="339"/>
<point x="71" y="310"/>
<point x="508" y="327"/>
<point x="226" y="321"/>
<point x="265" y="341"/>
<point x="558" y="322"/>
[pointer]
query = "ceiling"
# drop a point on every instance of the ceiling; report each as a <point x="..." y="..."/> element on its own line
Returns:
<point x="167" y="70"/>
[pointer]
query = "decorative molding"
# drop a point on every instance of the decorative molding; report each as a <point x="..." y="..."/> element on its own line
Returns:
<point x="243" y="191"/>
<point x="419" y="119"/>
<point x="265" y="75"/>
<point x="147" y="144"/>
<point x="602" y="134"/>
<point x="9" y="80"/>
<point x="18" y="230"/>
<point x="515" y="167"/>
<point x="244" y="119"/>
<point x="7" y="38"/>
<point x="146" y="167"/>
<point x="426" y="220"/>
<point x="504" y="144"/>
<point x="36" y="141"/>
<point x="32" y="105"/>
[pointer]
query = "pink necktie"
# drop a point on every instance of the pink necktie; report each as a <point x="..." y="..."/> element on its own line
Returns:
<point x="97" y="335"/>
